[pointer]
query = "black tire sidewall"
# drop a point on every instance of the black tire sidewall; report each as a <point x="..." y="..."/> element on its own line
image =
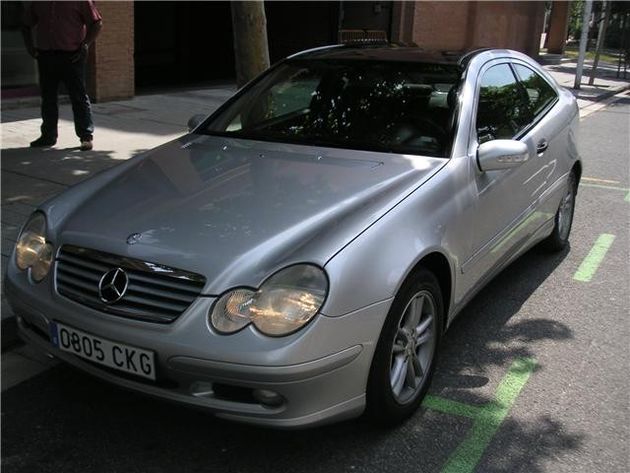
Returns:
<point x="381" y="404"/>
<point x="555" y="242"/>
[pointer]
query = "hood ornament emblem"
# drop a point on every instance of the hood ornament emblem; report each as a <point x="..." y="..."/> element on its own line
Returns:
<point x="134" y="238"/>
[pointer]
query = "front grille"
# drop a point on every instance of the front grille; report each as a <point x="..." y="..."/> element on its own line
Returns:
<point x="155" y="293"/>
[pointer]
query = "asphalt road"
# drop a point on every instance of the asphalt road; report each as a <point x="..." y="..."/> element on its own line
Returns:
<point x="570" y="415"/>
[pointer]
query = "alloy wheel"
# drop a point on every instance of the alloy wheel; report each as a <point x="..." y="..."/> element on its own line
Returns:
<point x="413" y="347"/>
<point x="565" y="212"/>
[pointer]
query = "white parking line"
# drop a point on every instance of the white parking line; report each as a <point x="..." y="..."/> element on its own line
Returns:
<point x="598" y="180"/>
<point x="596" y="106"/>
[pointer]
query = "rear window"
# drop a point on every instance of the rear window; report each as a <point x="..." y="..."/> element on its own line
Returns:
<point x="370" y="105"/>
<point x="539" y="92"/>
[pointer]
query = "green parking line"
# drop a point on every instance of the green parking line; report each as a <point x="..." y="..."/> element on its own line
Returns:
<point x="601" y="186"/>
<point x="613" y="188"/>
<point x="465" y="458"/>
<point x="589" y="266"/>
<point x="447" y="406"/>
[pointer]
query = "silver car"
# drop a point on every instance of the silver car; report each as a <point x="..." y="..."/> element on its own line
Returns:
<point x="296" y="258"/>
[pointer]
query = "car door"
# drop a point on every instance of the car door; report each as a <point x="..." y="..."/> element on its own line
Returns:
<point x="547" y="134"/>
<point x="505" y="213"/>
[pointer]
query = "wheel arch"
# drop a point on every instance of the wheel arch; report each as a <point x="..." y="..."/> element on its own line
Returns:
<point x="438" y="264"/>
<point x="577" y="169"/>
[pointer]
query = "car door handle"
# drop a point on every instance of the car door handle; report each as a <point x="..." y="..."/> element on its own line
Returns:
<point x="542" y="146"/>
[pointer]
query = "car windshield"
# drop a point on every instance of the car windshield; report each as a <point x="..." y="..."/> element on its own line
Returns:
<point x="368" y="105"/>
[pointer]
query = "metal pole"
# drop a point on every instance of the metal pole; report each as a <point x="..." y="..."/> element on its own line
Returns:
<point x="625" y="45"/>
<point x="588" y="5"/>
<point x="622" y="43"/>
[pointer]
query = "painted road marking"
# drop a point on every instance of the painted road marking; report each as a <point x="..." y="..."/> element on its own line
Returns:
<point x="596" y="179"/>
<point x="589" y="266"/>
<point x="597" y="106"/>
<point x="487" y="418"/>
<point x="613" y="188"/>
<point x="447" y="406"/>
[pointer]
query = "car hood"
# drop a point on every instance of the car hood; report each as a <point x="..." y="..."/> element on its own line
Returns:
<point x="238" y="210"/>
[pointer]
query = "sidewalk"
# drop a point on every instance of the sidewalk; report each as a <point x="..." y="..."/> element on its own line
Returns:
<point x="124" y="128"/>
<point x="605" y="85"/>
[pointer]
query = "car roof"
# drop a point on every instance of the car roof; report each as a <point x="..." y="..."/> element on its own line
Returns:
<point x="388" y="53"/>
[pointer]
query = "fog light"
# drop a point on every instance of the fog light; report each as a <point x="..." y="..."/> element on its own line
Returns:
<point x="267" y="397"/>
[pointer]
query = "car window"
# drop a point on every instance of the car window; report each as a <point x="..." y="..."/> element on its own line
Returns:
<point x="540" y="93"/>
<point x="503" y="109"/>
<point x="356" y="104"/>
<point x="281" y="100"/>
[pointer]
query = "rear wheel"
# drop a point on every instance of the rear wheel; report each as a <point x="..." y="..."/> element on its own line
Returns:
<point x="559" y="237"/>
<point x="404" y="360"/>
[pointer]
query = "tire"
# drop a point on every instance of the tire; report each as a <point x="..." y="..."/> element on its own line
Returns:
<point x="559" y="238"/>
<point x="388" y="402"/>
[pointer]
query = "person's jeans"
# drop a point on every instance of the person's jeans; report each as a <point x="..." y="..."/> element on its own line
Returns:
<point x="56" y="67"/>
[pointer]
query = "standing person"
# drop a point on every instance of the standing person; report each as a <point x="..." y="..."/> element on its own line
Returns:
<point x="64" y="32"/>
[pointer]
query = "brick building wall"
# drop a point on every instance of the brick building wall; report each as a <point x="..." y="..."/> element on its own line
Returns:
<point x="111" y="64"/>
<point x="513" y="25"/>
<point x="466" y="25"/>
<point x="441" y="25"/>
<point x="456" y="25"/>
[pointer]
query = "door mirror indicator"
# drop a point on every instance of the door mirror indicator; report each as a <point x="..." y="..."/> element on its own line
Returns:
<point x="501" y="154"/>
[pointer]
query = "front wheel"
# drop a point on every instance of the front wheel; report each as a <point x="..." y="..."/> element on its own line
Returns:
<point x="563" y="220"/>
<point x="405" y="355"/>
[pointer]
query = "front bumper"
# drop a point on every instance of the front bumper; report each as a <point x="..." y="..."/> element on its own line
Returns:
<point x="320" y="372"/>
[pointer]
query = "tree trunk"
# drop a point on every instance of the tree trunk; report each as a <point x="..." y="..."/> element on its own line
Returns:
<point x="250" y="39"/>
<point x="600" y="41"/>
<point x="586" y="15"/>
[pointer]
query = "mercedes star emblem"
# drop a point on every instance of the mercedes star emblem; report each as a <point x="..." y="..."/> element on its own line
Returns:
<point x="134" y="238"/>
<point x="113" y="285"/>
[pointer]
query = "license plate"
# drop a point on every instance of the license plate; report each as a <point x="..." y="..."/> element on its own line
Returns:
<point x="105" y="352"/>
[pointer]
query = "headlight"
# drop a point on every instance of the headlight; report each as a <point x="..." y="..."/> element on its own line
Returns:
<point x="284" y="303"/>
<point x="40" y="268"/>
<point x="31" y="249"/>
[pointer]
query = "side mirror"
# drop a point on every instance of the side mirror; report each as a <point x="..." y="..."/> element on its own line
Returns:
<point x="501" y="154"/>
<point x="195" y="121"/>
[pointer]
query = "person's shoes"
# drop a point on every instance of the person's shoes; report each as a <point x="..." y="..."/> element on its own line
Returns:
<point x="86" y="145"/>
<point x="43" y="141"/>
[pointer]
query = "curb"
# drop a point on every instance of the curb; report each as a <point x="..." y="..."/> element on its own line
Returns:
<point x="611" y="93"/>
<point x="10" y="337"/>
<point x="30" y="102"/>
<point x="605" y="96"/>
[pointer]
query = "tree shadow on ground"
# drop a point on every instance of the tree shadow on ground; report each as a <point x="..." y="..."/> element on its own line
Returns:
<point x="547" y="438"/>
<point x="159" y="115"/>
<point x="592" y="92"/>
<point x="603" y="71"/>
<point x="484" y="337"/>
<point x="65" y="420"/>
<point x="54" y="168"/>
<point x="31" y="176"/>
